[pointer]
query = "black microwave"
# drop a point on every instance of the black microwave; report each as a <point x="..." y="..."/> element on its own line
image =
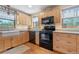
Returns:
<point x="48" y="20"/>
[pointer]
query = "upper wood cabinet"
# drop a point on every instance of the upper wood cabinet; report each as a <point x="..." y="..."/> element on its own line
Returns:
<point x="23" y="19"/>
<point x="56" y="13"/>
<point x="53" y="11"/>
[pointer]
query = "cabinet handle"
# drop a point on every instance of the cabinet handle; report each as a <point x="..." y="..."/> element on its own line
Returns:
<point x="57" y="47"/>
<point x="57" y="40"/>
<point x="69" y="50"/>
<point x="69" y="42"/>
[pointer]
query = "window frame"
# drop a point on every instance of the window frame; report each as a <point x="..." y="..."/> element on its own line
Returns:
<point x="76" y="15"/>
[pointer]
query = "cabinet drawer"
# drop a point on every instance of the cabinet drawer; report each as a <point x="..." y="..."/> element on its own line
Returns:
<point x="60" y="34"/>
<point x="64" y="48"/>
<point x="67" y="38"/>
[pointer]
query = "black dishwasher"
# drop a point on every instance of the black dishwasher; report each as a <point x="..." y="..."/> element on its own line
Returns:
<point x="32" y="36"/>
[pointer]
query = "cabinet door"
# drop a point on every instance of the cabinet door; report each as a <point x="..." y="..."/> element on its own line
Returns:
<point x="25" y="37"/>
<point x="78" y="44"/>
<point x="20" y="39"/>
<point x="56" y="13"/>
<point x="7" y="42"/>
<point x="23" y="19"/>
<point x="1" y="44"/>
<point x="16" y="41"/>
<point x="65" y="43"/>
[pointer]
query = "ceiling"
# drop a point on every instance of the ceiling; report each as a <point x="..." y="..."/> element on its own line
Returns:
<point x="30" y="10"/>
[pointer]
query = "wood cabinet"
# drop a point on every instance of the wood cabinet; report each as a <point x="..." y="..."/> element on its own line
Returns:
<point x="77" y="44"/>
<point x="53" y="11"/>
<point x="1" y="44"/>
<point x="25" y="37"/>
<point x="64" y="42"/>
<point x="16" y="40"/>
<point x="20" y="39"/>
<point x="56" y="13"/>
<point x="40" y="16"/>
<point x="7" y="42"/>
<point x="23" y="19"/>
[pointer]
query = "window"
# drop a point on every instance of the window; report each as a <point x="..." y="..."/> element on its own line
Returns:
<point x="7" y="18"/>
<point x="35" y="23"/>
<point x="6" y="24"/>
<point x="71" y="22"/>
<point x="70" y="18"/>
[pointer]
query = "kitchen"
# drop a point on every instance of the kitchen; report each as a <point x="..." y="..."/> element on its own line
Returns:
<point x="22" y="28"/>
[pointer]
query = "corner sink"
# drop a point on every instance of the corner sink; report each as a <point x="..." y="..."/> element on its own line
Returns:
<point x="10" y="33"/>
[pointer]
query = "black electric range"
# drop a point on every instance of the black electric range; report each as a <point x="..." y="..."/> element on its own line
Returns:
<point x="46" y="37"/>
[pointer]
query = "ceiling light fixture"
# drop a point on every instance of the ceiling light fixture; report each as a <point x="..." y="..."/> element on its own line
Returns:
<point x="30" y="6"/>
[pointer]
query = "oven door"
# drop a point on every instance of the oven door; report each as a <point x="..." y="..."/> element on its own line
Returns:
<point x="46" y="40"/>
<point x="45" y="35"/>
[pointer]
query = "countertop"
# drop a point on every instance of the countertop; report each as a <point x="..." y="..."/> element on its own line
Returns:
<point x="13" y="32"/>
<point x="68" y="31"/>
<point x="18" y="31"/>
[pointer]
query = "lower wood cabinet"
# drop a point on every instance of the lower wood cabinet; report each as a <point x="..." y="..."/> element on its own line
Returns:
<point x="7" y="42"/>
<point x="64" y="42"/>
<point x="1" y="44"/>
<point x="77" y="44"/>
<point x="19" y="39"/>
<point x="25" y="37"/>
<point x="16" y="40"/>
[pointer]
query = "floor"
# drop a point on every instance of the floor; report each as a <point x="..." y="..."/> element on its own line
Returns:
<point x="29" y="48"/>
<point x="17" y="50"/>
<point x="35" y="49"/>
